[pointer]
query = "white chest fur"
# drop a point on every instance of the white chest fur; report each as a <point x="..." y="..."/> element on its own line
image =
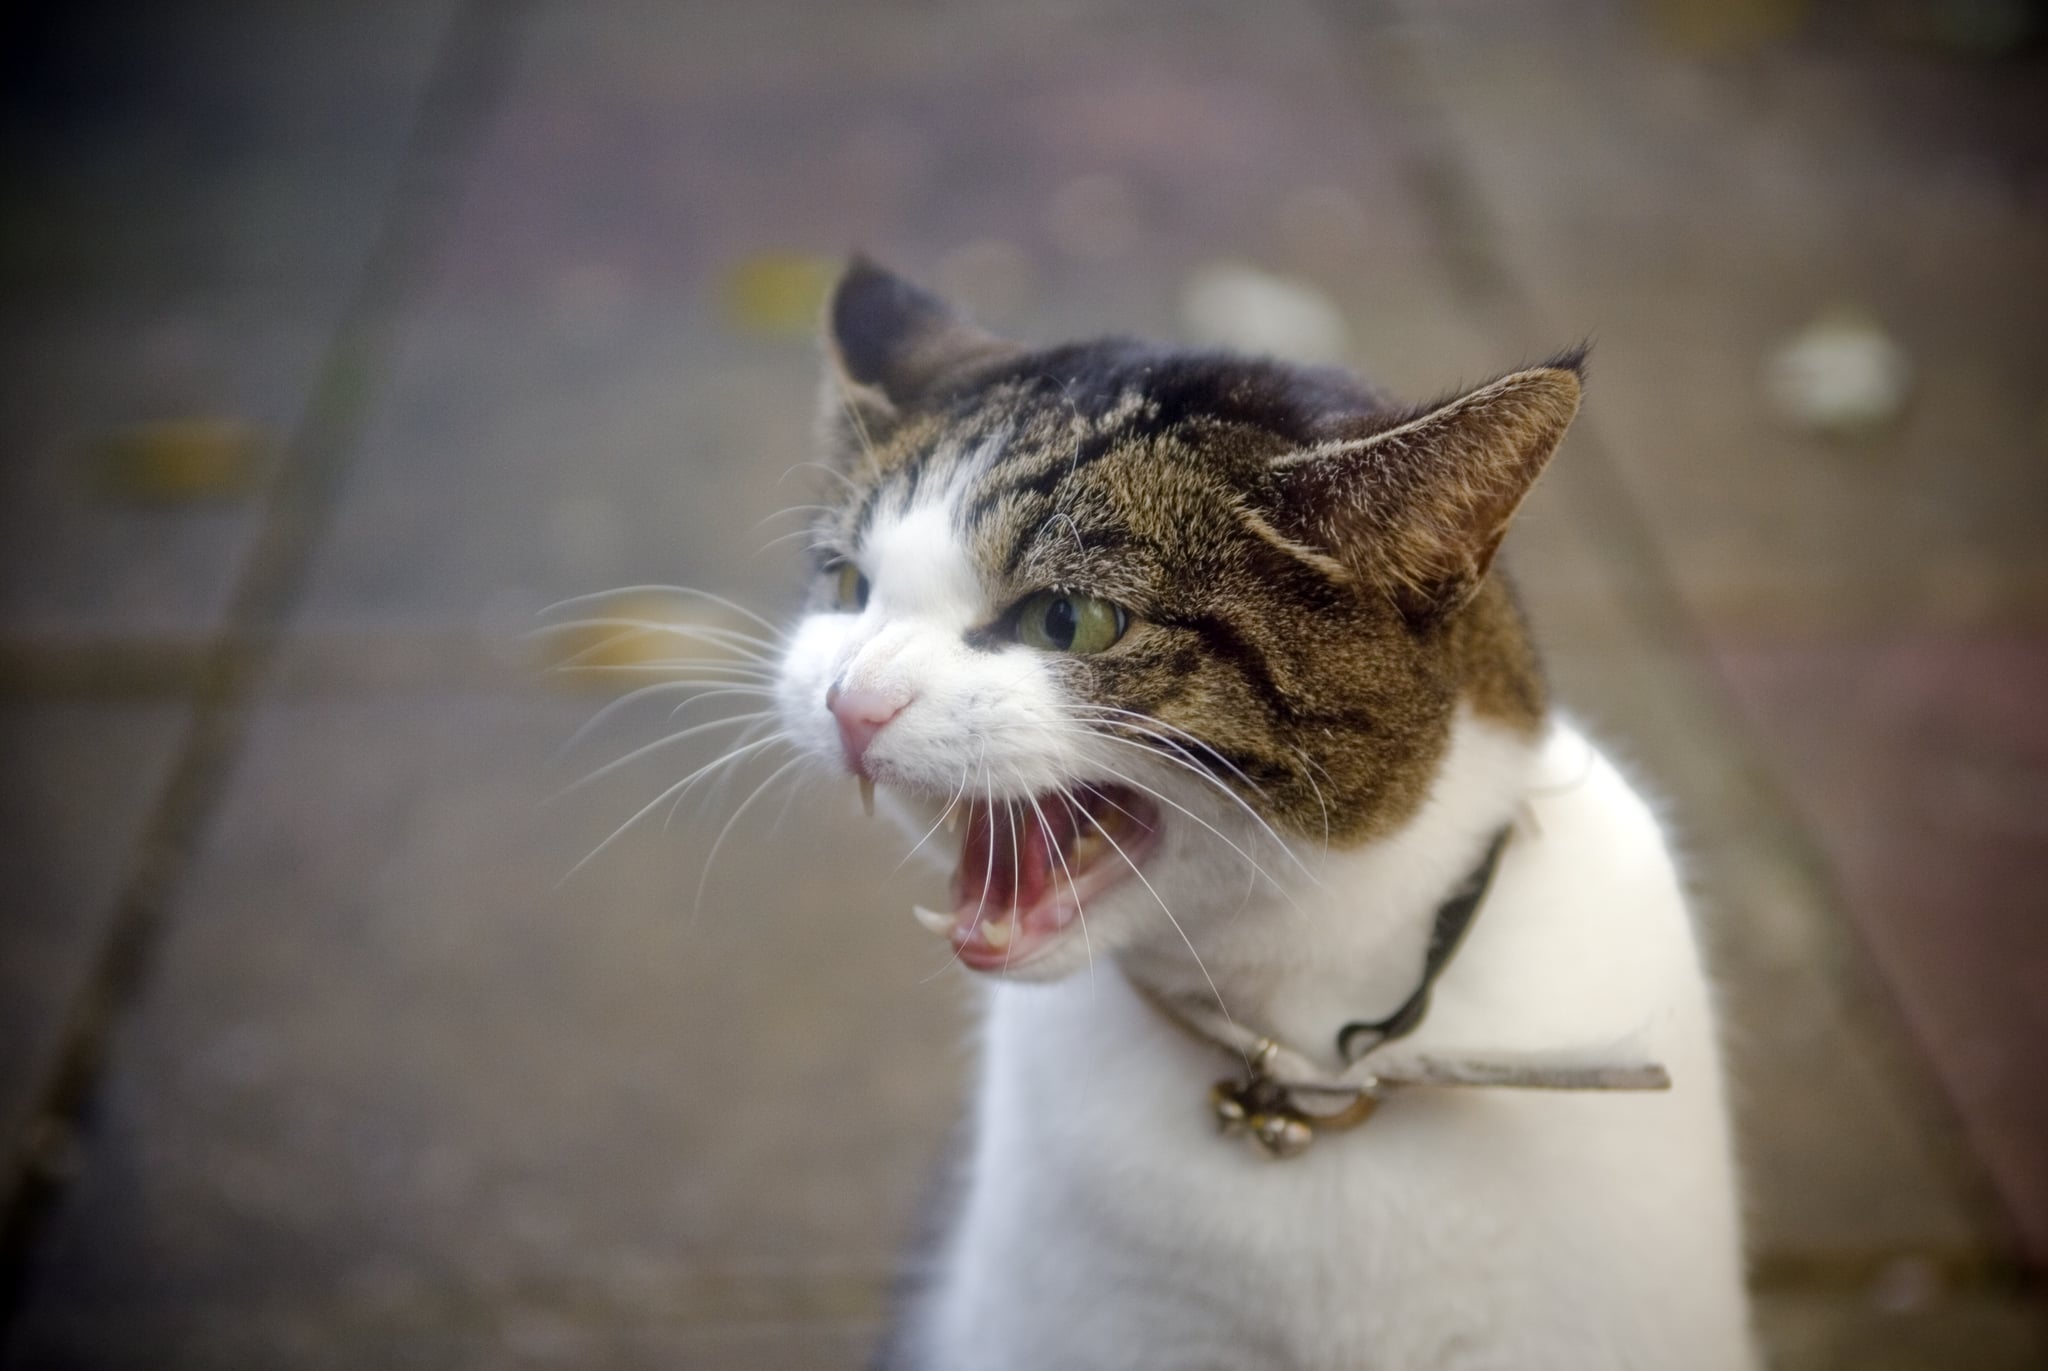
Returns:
<point x="1105" y="1224"/>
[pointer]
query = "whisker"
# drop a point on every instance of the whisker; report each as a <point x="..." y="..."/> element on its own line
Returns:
<point x="1250" y="860"/>
<point x="1221" y="789"/>
<point x="665" y="741"/>
<point x="612" y="707"/>
<point x="675" y="790"/>
<point x="697" y="906"/>
<point x="723" y="691"/>
<point x="789" y="537"/>
<point x="669" y="665"/>
<point x="788" y="510"/>
<point x="1093" y="734"/>
<point x="742" y="645"/>
<point x="711" y="795"/>
<point x="860" y="427"/>
<point x="775" y="631"/>
<point x="1010" y="813"/>
<point x="988" y="877"/>
<point x="1072" y="889"/>
<point x="944" y="815"/>
<point x="1308" y="774"/>
<point x="1147" y="719"/>
<point x="1135" y="871"/>
<point x="829" y="470"/>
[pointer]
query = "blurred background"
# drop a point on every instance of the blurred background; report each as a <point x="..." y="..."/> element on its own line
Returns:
<point x="342" y="339"/>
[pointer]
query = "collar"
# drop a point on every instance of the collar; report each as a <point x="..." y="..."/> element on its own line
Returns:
<point x="1284" y="1097"/>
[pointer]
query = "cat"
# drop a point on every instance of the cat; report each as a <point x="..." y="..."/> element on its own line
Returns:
<point x="1284" y="880"/>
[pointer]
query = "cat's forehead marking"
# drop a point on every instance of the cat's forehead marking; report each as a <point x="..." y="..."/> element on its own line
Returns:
<point x="917" y="559"/>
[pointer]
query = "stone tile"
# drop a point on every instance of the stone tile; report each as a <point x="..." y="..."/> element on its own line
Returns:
<point x="1923" y="762"/>
<point x="79" y="782"/>
<point x="391" y="1055"/>
<point x="1857" y="1332"/>
<point x="1841" y="1160"/>
<point x="193" y="191"/>
<point x="1692" y="214"/>
<point x="514" y="1338"/>
<point x="575" y="406"/>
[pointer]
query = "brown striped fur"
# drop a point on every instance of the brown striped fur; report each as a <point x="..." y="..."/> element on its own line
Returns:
<point x="1308" y="567"/>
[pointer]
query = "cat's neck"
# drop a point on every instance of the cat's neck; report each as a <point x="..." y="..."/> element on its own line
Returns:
<point x="1350" y="945"/>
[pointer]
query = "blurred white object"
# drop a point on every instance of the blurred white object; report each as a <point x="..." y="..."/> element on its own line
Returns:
<point x="1229" y="304"/>
<point x="1841" y="374"/>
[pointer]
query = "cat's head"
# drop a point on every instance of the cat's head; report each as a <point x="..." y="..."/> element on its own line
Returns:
<point x="1129" y="629"/>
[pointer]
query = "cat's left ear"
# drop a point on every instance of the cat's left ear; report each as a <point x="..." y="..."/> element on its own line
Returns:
<point x="1421" y="507"/>
<point x="891" y="344"/>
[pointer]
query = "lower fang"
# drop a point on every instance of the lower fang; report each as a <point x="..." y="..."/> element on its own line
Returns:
<point x="932" y="920"/>
<point x="996" y="933"/>
<point x="867" y="797"/>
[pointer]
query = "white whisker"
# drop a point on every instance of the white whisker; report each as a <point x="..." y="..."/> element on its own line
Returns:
<point x="745" y="646"/>
<point x="697" y="906"/>
<point x="1250" y="860"/>
<point x="1178" y="732"/>
<point x="988" y="877"/>
<point x="667" y="666"/>
<point x="675" y="790"/>
<point x="1081" y="914"/>
<point x="1135" y="871"/>
<point x="665" y="741"/>
<point x="944" y="815"/>
<point x="776" y="633"/>
<point x="833" y="472"/>
<point x="614" y="706"/>
<point x="1221" y="789"/>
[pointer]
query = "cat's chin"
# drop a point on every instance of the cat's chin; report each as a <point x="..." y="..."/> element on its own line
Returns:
<point x="1028" y="870"/>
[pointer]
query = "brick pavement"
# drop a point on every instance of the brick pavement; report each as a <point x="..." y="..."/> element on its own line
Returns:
<point x="343" y="1072"/>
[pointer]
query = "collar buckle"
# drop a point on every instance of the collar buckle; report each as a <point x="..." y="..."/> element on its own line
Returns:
<point x="1263" y="1110"/>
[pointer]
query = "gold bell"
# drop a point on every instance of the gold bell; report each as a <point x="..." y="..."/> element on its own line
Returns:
<point x="1255" y="1109"/>
<point x="1282" y="1135"/>
<point x="1230" y="1110"/>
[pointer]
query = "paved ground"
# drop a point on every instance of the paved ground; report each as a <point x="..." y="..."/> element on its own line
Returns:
<point x="342" y="338"/>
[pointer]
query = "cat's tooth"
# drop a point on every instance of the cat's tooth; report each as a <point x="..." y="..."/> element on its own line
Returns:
<point x="867" y="797"/>
<point x="932" y="920"/>
<point x="1086" y="849"/>
<point x="952" y="819"/>
<point x="996" y="933"/>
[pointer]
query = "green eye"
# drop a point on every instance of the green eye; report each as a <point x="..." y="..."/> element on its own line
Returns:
<point x="852" y="589"/>
<point x="1060" y="622"/>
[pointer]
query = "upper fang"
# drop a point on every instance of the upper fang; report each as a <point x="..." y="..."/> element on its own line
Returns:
<point x="867" y="796"/>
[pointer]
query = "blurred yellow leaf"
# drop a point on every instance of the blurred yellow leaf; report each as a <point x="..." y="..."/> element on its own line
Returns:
<point x="637" y="638"/>
<point x="173" y="461"/>
<point x="1719" y="26"/>
<point x="779" y="294"/>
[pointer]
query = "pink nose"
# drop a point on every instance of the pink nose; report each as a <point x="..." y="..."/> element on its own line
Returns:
<point x="861" y="715"/>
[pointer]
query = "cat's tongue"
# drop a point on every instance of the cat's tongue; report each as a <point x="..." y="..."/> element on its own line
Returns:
<point x="1027" y="865"/>
<point x="1008" y="852"/>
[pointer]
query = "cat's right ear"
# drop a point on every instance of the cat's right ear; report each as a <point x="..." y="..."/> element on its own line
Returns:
<point x="890" y="344"/>
<point x="1419" y="507"/>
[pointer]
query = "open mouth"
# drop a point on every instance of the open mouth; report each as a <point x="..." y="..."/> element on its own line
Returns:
<point x="1029" y="867"/>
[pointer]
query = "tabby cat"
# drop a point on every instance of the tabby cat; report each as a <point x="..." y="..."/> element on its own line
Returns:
<point x="1342" y="1006"/>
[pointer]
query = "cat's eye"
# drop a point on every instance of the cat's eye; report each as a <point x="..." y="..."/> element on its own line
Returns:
<point x="1060" y="621"/>
<point x="852" y="589"/>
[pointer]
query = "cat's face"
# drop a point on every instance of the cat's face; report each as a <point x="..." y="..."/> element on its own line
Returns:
<point x="1129" y="631"/>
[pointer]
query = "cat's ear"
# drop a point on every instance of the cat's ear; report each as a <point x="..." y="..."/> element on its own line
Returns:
<point x="1420" y="507"/>
<point x="890" y="343"/>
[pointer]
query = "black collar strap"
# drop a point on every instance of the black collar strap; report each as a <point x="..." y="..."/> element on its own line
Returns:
<point x="1285" y="1099"/>
<point x="1453" y="917"/>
